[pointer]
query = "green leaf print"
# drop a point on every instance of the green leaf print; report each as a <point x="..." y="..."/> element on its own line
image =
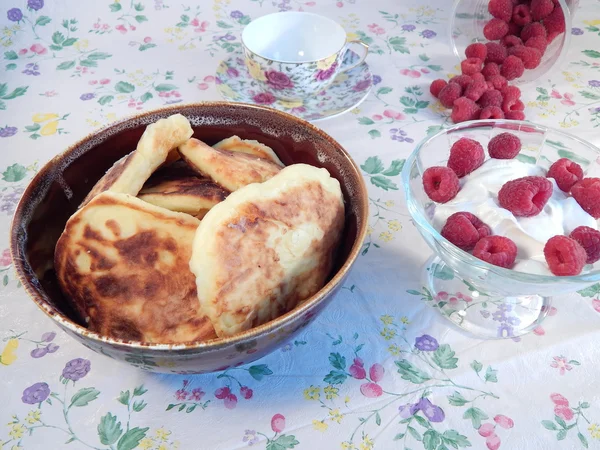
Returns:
<point x="411" y="373"/>
<point x="372" y="165"/>
<point x="590" y="291"/>
<point x="55" y="47"/>
<point x="147" y="96"/>
<point x="58" y="38"/>
<point x="132" y="438"/>
<point x="395" y="168"/>
<point x="442" y="272"/>
<point x="124" y="397"/>
<point x="457" y="399"/>
<point x="444" y="358"/>
<point x="33" y="128"/>
<point x="109" y="430"/>
<point x="591" y="53"/>
<point x="583" y="440"/>
<point x="384" y="183"/>
<point x="365" y="121"/>
<point x="337" y="361"/>
<point x="454" y="438"/>
<point x="124" y="87"/>
<point x="414" y="433"/>
<point x="476" y="415"/>
<point x="11" y="55"/>
<point x="15" y="93"/>
<point x="140" y="18"/>
<point x="435" y="68"/>
<point x="398" y="44"/>
<point x="222" y="24"/>
<point x="374" y="134"/>
<point x="105" y="99"/>
<point x="526" y="159"/>
<point x="14" y="173"/>
<point x="283" y="442"/>
<point x="88" y="63"/>
<point x="259" y="371"/>
<point x="165" y="87"/>
<point x="43" y="20"/>
<point x="423" y="422"/>
<point x="11" y="66"/>
<point x="114" y="7"/>
<point x="69" y="42"/>
<point x="590" y="95"/>
<point x="145" y="47"/>
<point x="66" y="65"/>
<point x="431" y="440"/>
<point x="95" y="56"/>
<point x="245" y="20"/>
<point x="140" y="390"/>
<point x="84" y="396"/>
<point x="562" y="434"/>
<point x="424" y="57"/>
<point x="138" y="405"/>
<point x="476" y="366"/>
<point x="384" y="90"/>
<point x="573" y="157"/>
<point x="491" y="375"/>
<point x="138" y="7"/>
<point x="335" y="377"/>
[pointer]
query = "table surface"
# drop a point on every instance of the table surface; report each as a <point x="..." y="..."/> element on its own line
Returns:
<point x="68" y="70"/>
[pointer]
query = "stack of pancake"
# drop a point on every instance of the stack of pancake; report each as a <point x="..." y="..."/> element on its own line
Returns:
<point x="182" y="242"/>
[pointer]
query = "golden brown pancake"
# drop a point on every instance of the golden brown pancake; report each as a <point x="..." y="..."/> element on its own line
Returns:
<point x="235" y="144"/>
<point x="267" y="247"/>
<point x="178" y="188"/>
<point x="232" y="170"/>
<point x="129" y="174"/>
<point x="124" y="264"/>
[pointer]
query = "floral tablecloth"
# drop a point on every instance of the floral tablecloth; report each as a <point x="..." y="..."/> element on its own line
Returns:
<point x="380" y="368"/>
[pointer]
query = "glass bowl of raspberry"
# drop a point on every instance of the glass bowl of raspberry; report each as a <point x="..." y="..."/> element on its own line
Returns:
<point x="523" y="30"/>
<point x="511" y="211"/>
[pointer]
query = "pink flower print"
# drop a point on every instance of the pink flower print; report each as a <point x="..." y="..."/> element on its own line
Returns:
<point x="38" y="49"/>
<point x="104" y="81"/>
<point x="339" y="4"/>
<point x="92" y="82"/>
<point x="326" y="74"/>
<point x="361" y="86"/>
<point x="147" y="39"/>
<point x="202" y="28"/>
<point x="395" y="115"/>
<point x="371" y="390"/>
<point x="278" y="423"/>
<point x="230" y="401"/>
<point x="376" y="372"/>
<point x="560" y="363"/>
<point x="264" y="98"/>
<point x="552" y="311"/>
<point x="596" y="305"/>
<point x="504" y="421"/>
<point x="559" y="400"/>
<point x="246" y="392"/>
<point x="96" y="25"/>
<point x="357" y="369"/>
<point x="222" y="392"/>
<point x="411" y="73"/>
<point x="132" y="27"/>
<point x="442" y="295"/>
<point x="376" y="29"/>
<point x="121" y="28"/>
<point x="5" y="259"/>
<point x="563" y="412"/>
<point x="197" y="394"/>
<point x="492" y="442"/>
<point x="105" y="26"/>
<point x="568" y="100"/>
<point x="377" y="117"/>
<point x="22" y="51"/>
<point x="310" y="3"/>
<point x="453" y="301"/>
<point x="555" y="94"/>
<point x="425" y="70"/>
<point x="181" y="394"/>
<point x="209" y="79"/>
<point x="278" y="80"/>
<point x="539" y="331"/>
<point x="202" y="86"/>
<point x="486" y="429"/>
<point x="195" y="22"/>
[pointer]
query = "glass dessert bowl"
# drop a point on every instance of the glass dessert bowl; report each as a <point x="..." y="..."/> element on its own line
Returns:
<point x="483" y="299"/>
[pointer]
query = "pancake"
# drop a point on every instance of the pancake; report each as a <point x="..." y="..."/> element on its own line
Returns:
<point x="235" y="144"/>
<point x="124" y="264"/>
<point x="267" y="247"/>
<point x="231" y="170"/>
<point x="129" y="174"/>
<point x="178" y="188"/>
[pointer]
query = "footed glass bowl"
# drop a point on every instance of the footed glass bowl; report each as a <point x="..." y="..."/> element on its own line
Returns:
<point x="483" y="299"/>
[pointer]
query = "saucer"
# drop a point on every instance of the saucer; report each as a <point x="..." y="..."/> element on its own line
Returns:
<point x="348" y="90"/>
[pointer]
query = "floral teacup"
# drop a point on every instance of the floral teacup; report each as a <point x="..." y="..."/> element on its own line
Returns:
<point x="294" y="55"/>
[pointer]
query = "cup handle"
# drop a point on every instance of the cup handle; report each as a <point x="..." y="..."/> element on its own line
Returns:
<point x="365" y="51"/>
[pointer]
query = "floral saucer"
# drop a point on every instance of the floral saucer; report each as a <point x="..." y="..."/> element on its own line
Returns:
<point x="347" y="91"/>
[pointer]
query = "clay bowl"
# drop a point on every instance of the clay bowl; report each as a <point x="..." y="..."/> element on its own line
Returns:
<point x="54" y="193"/>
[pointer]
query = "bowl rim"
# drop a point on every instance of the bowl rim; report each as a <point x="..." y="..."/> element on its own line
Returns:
<point x="213" y="344"/>
<point x="422" y="222"/>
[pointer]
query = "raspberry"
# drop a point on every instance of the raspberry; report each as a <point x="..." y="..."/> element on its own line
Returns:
<point x="511" y="92"/>
<point x="449" y="94"/>
<point x="589" y="239"/>
<point x="521" y="15"/>
<point x="490" y="69"/>
<point x="566" y="173"/>
<point x="476" y="90"/>
<point x="514" y="115"/>
<point x="464" y="230"/>
<point x="471" y="65"/>
<point x="436" y="87"/>
<point x="525" y="197"/>
<point x="491" y="97"/>
<point x="491" y="112"/>
<point x="554" y="24"/>
<point x="462" y="80"/>
<point x="540" y="9"/>
<point x="440" y="184"/>
<point x="464" y="109"/>
<point x="531" y="57"/>
<point x="498" y="82"/>
<point x="496" y="53"/>
<point x="514" y="29"/>
<point x="466" y="155"/>
<point x="511" y="41"/>
<point x="504" y="146"/>
<point x="478" y="77"/>
<point x="512" y="68"/>
<point x="537" y="42"/>
<point x="565" y="257"/>
<point x="533" y="30"/>
<point x="495" y="29"/>
<point x="476" y="50"/>
<point x="587" y="193"/>
<point x="501" y="9"/>
<point x="497" y="250"/>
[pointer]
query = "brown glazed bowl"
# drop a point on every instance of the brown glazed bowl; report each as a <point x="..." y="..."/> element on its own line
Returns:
<point x="54" y="193"/>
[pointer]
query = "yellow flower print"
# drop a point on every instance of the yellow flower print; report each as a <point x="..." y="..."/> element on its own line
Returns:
<point x="33" y="416"/>
<point x="290" y="104"/>
<point x="146" y="444"/>
<point x="254" y="70"/>
<point x="594" y="430"/>
<point x="404" y="320"/>
<point x="8" y="355"/>
<point x="355" y="111"/>
<point x="389" y="203"/>
<point x="388" y="333"/>
<point x="330" y="392"/>
<point x="111" y="116"/>
<point x="386" y="236"/>
<point x="394" y="350"/>
<point x="222" y="69"/>
<point x="15" y="447"/>
<point x="347" y="446"/>
<point x="312" y="393"/>
<point x="168" y="30"/>
<point x="227" y="91"/>
<point x="387" y="319"/>
<point x="347" y="399"/>
<point x="394" y="225"/>
<point x="592" y="23"/>
<point x="370" y="230"/>
<point x="367" y="443"/>
<point x="335" y="415"/>
<point x="162" y="434"/>
<point x="163" y="447"/>
<point x="326" y="63"/>
<point x="82" y="44"/>
<point x="320" y="425"/>
<point x="17" y="431"/>
<point x="39" y="118"/>
<point x="341" y="78"/>
<point x="352" y="36"/>
<point x="50" y="128"/>
<point x="437" y="107"/>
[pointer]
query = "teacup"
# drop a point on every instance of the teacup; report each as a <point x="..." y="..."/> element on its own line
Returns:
<point x="294" y="55"/>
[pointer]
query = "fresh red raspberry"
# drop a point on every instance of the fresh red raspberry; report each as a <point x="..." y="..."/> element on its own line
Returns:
<point x="471" y="66"/>
<point x="504" y="146"/>
<point x="566" y="173"/>
<point x="533" y="30"/>
<point x="565" y="257"/>
<point x="514" y="29"/>
<point x="440" y="183"/>
<point x="554" y="24"/>
<point x="511" y="40"/>
<point x="499" y="82"/>
<point x="449" y="94"/>
<point x="589" y="239"/>
<point x="537" y="42"/>
<point x="540" y="9"/>
<point x="511" y="92"/>
<point x="437" y="86"/>
<point x="514" y="115"/>
<point x="587" y="193"/>
<point x="462" y="80"/>
<point x="476" y="50"/>
<point x="531" y="57"/>
<point x="466" y="155"/>
<point x="521" y="15"/>
<point x="490" y="69"/>
<point x="491" y="97"/>
<point x="525" y="197"/>
<point x="464" y="230"/>
<point x="476" y="90"/>
<point x="477" y="77"/>
<point x="496" y="52"/>
<point x="501" y="9"/>
<point x="464" y="109"/>
<point x="491" y="112"/>
<point x="497" y="250"/>
<point x="495" y="29"/>
<point x="512" y="68"/>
